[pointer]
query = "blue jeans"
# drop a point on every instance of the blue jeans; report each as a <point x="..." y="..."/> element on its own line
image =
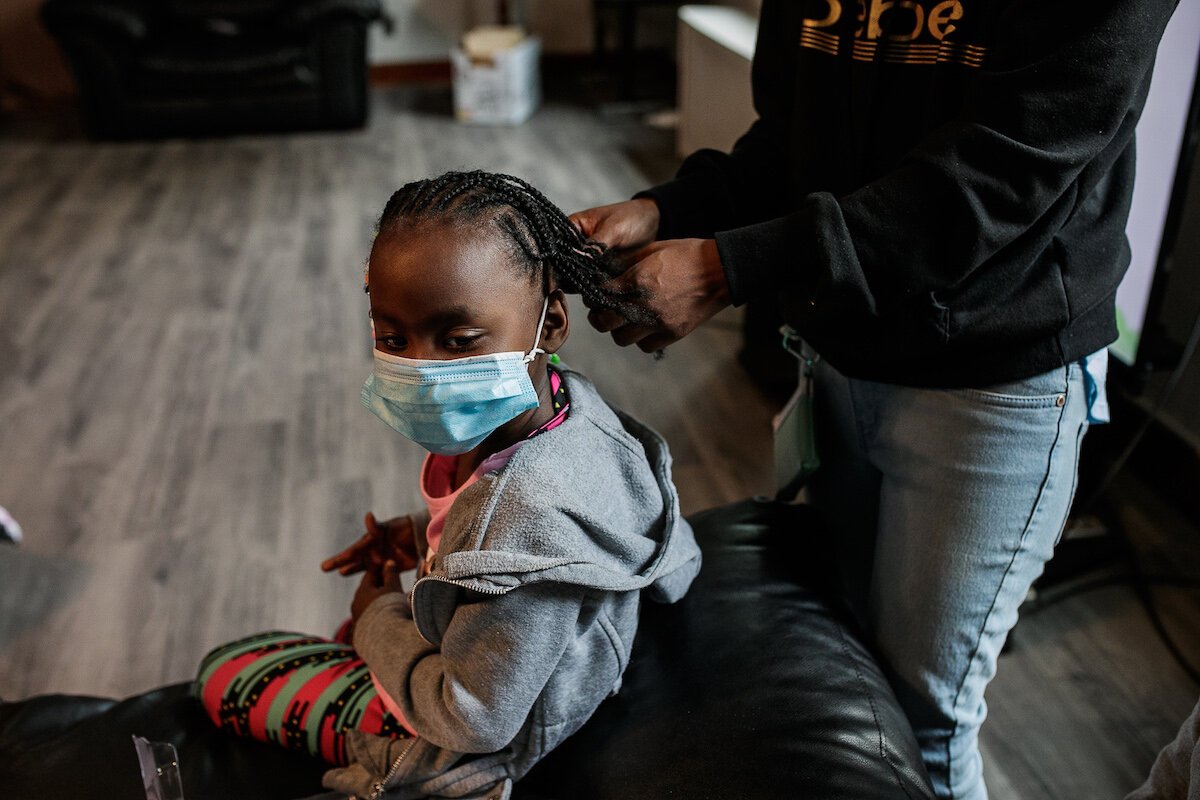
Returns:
<point x="946" y="505"/>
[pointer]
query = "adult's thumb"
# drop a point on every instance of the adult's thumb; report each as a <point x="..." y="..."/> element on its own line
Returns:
<point x="585" y="221"/>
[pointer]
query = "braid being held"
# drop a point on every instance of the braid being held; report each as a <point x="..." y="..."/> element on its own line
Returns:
<point x="544" y="242"/>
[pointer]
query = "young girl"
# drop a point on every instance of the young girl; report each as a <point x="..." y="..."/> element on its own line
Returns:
<point x="547" y="514"/>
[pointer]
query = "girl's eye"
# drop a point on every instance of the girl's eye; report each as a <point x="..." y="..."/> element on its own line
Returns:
<point x="392" y="342"/>
<point x="460" y="342"/>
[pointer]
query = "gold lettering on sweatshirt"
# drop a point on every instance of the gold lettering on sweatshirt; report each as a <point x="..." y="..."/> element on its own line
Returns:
<point x="894" y="32"/>
<point x="941" y="18"/>
<point x="835" y="13"/>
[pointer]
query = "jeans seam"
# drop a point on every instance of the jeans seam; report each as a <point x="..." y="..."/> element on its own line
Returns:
<point x="860" y="432"/>
<point x="1037" y="504"/>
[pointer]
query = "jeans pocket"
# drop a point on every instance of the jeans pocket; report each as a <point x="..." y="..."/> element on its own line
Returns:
<point x="1047" y="390"/>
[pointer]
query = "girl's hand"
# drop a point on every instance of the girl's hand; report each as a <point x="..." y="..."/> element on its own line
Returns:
<point x="370" y="590"/>
<point x="391" y="540"/>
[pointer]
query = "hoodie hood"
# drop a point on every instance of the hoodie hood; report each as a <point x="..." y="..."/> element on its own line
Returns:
<point x="590" y="503"/>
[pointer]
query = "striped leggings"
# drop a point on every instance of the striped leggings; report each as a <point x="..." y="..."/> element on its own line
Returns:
<point x="301" y="692"/>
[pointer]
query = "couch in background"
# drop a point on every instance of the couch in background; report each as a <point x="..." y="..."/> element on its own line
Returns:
<point x="149" y="68"/>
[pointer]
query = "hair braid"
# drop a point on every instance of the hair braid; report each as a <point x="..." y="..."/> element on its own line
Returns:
<point x="545" y="242"/>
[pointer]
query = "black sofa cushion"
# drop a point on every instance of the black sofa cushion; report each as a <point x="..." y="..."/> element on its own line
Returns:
<point x="753" y="686"/>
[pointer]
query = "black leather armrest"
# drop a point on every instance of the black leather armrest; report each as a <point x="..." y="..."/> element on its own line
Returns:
<point x="113" y="17"/>
<point x="312" y="12"/>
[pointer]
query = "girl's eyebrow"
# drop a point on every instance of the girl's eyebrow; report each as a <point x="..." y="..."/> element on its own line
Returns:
<point x="451" y="315"/>
<point x="454" y="315"/>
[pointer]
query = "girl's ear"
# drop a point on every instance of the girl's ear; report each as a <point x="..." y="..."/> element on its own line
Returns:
<point x="557" y="324"/>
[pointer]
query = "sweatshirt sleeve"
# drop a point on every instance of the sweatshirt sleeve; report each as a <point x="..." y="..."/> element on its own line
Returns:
<point x="1060" y="94"/>
<point x="473" y="693"/>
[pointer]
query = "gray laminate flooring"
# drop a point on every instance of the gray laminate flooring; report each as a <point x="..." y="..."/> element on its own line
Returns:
<point x="182" y="339"/>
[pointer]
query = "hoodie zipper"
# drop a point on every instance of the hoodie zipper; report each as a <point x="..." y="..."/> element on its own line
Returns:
<point x="453" y="582"/>
<point x="380" y="787"/>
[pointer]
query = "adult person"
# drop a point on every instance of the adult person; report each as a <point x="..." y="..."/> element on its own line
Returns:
<point x="935" y="191"/>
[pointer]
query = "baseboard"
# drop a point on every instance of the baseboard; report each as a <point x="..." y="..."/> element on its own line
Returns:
<point x="410" y="72"/>
<point x="402" y="72"/>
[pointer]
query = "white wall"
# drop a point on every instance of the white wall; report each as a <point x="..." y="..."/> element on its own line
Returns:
<point x="426" y="29"/>
<point x="715" y="102"/>
<point x="414" y="39"/>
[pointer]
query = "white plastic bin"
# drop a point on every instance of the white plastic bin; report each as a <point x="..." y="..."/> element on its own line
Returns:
<point x="503" y="90"/>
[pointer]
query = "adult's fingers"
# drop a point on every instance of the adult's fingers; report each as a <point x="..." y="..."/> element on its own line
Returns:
<point x="605" y="320"/>
<point x="585" y="221"/>
<point x="631" y="334"/>
<point x="657" y="341"/>
<point x="627" y="225"/>
<point x="603" y="224"/>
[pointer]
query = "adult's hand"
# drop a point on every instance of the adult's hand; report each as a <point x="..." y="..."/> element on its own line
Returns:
<point x="625" y="227"/>
<point x="679" y="282"/>
<point x="391" y="539"/>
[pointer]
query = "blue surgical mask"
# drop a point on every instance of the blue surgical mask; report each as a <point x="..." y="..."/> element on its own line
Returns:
<point x="449" y="407"/>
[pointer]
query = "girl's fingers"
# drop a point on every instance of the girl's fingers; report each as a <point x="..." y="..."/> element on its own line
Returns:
<point x="363" y="554"/>
<point x="336" y="562"/>
<point x="354" y="555"/>
<point x="402" y="542"/>
<point x="351" y="555"/>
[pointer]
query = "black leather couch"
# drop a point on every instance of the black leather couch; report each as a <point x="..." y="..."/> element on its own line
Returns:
<point x="753" y="687"/>
<point x="149" y="68"/>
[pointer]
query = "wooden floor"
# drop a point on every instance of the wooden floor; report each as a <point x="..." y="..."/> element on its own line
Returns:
<point x="182" y="339"/>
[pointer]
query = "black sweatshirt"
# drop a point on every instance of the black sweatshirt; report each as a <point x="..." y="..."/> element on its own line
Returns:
<point x="935" y="191"/>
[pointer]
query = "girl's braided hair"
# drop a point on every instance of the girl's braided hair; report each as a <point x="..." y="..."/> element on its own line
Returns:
<point x="546" y="244"/>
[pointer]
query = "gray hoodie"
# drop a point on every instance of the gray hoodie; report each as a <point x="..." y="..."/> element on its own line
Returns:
<point x="525" y="623"/>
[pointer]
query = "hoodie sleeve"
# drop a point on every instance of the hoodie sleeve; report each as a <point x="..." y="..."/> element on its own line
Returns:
<point x="1061" y="92"/>
<point x="473" y="692"/>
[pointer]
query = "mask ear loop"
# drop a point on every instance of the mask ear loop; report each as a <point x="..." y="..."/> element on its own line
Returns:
<point x="532" y="354"/>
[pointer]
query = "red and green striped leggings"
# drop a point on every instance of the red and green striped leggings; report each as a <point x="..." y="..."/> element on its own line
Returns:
<point x="298" y="691"/>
